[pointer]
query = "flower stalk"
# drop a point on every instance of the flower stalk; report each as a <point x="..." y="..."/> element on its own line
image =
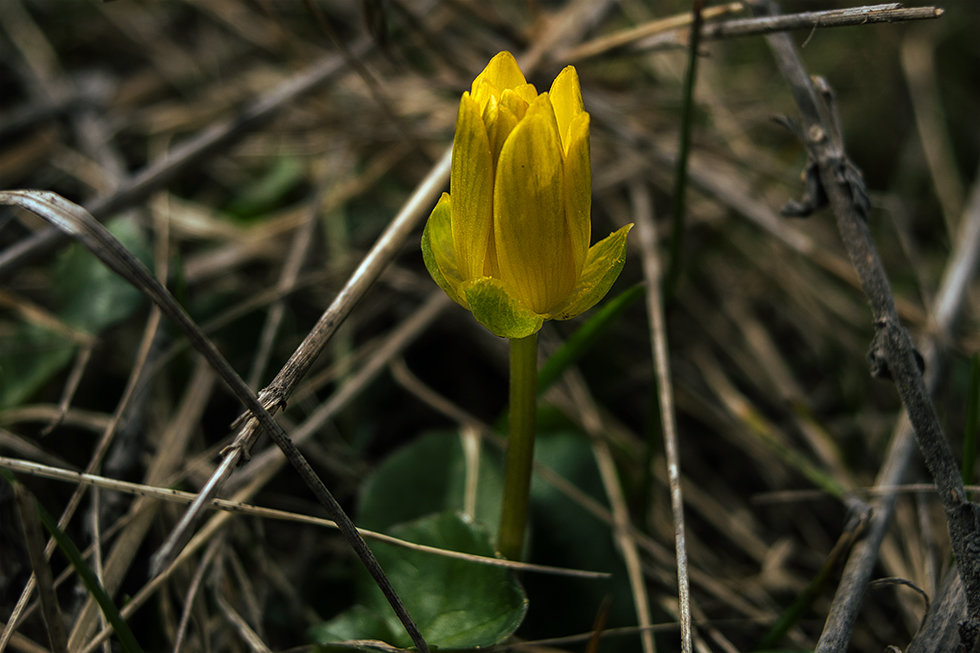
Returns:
<point x="510" y="240"/>
<point x="520" y="445"/>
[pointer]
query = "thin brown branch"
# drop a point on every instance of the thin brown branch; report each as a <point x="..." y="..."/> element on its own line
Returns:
<point x="170" y="495"/>
<point x="832" y="176"/>
<point x="75" y="221"/>
<point x="956" y="282"/>
<point x="673" y="32"/>
<point x="892" y="12"/>
<point x="632" y="35"/>
<point x="811" y="20"/>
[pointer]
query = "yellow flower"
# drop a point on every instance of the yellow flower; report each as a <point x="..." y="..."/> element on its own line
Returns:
<point x="510" y="241"/>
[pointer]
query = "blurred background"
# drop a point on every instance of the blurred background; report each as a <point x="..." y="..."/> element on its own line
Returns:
<point x="252" y="151"/>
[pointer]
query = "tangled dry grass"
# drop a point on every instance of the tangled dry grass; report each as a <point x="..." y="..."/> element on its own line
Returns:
<point x="252" y="151"/>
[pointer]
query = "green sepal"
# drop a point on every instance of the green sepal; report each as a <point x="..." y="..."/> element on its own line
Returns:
<point x="497" y="310"/>
<point x="603" y="264"/>
<point x="437" y="250"/>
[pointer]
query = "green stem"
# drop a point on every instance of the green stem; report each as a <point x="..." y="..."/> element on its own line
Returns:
<point x="520" y="445"/>
<point x="683" y="154"/>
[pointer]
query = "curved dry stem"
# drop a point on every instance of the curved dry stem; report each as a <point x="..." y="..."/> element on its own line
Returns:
<point x="75" y="221"/>
<point x="643" y="206"/>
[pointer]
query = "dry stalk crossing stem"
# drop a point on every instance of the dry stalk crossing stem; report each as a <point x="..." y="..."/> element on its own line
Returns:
<point x="78" y="223"/>
<point x="893" y="353"/>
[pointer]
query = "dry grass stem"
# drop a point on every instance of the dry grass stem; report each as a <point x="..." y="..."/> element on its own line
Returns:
<point x="612" y="484"/>
<point x="643" y="207"/>
<point x="270" y="166"/>
<point x="34" y="542"/>
<point x="176" y="496"/>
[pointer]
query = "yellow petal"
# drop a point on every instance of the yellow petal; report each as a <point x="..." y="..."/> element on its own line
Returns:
<point x="489" y="116"/>
<point x="516" y="102"/>
<point x="578" y="189"/>
<point x="566" y="98"/>
<point x="484" y="93"/>
<point x="533" y="244"/>
<point x="502" y="117"/>
<point x="471" y="187"/>
<point x="502" y="71"/>
<point x="526" y="92"/>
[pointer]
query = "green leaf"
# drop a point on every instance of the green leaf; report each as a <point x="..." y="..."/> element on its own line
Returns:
<point x="566" y="534"/>
<point x="427" y="476"/>
<point x="28" y="358"/>
<point x="603" y="264"/>
<point x="87" y="296"/>
<point x="268" y="190"/>
<point x="497" y="310"/>
<point x="352" y="625"/>
<point x="416" y="494"/>
<point x="456" y="603"/>
<point x="93" y="297"/>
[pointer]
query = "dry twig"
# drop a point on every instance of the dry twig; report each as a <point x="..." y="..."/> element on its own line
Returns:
<point x="892" y="12"/>
<point x="74" y="220"/>
<point x="643" y="204"/>
<point x="833" y="179"/>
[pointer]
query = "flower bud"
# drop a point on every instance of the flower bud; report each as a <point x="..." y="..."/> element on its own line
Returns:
<point x="510" y="241"/>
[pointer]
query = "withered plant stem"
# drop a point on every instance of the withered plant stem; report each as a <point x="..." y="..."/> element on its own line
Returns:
<point x="892" y="344"/>
<point x="80" y="224"/>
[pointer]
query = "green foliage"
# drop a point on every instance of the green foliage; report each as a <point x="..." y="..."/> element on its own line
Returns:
<point x="429" y="476"/>
<point x="269" y="190"/>
<point x="37" y="355"/>
<point x="456" y="603"/>
<point x="417" y="494"/>
<point x="88" y="297"/>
